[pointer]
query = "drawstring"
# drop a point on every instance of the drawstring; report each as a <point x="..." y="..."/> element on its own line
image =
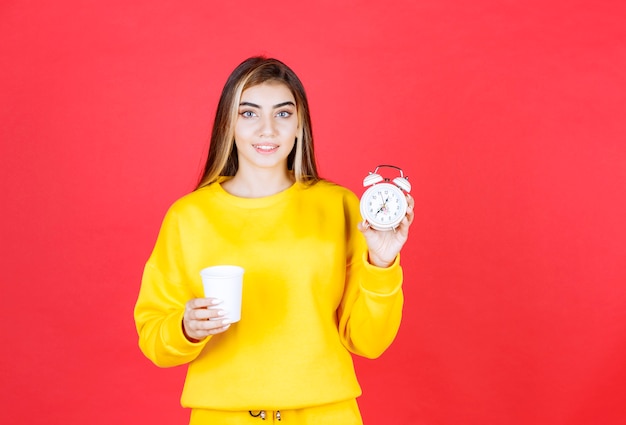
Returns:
<point x="262" y="415"/>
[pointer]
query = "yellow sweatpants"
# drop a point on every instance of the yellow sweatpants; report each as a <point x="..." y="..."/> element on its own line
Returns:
<point x="343" y="413"/>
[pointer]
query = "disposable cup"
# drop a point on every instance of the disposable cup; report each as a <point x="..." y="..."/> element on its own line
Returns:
<point x="226" y="284"/>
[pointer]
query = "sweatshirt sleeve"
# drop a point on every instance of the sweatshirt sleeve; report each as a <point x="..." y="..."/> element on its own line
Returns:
<point x="161" y="302"/>
<point x="371" y="309"/>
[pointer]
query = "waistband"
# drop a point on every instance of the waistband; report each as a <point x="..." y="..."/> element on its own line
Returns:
<point x="263" y="414"/>
<point x="344" y="413"/>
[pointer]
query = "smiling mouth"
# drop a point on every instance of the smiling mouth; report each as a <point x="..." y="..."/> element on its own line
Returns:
<point x="265" y="148"/>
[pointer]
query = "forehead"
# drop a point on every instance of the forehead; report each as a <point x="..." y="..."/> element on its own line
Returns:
<point x="268" y="92"/>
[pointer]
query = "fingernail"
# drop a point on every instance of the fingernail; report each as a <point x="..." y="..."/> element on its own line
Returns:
<point x="221" y="313"/>
<point x="216" y="301"/>
<point x="226" y="322"/>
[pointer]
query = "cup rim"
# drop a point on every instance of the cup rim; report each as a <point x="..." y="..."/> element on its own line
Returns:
<point x="223" y="271"/>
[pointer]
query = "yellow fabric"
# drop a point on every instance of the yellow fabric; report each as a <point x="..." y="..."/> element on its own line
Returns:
<point x="342" y="413"/>
<point x="310" y="298"/>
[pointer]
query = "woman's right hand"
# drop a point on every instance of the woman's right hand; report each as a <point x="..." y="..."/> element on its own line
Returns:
<point x="203" y="317"/>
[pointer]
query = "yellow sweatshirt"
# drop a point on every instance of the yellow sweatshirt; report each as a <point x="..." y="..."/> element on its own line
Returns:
<point x="309" y="297"/>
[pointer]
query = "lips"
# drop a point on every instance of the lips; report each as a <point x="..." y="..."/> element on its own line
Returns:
<point x="265" y="147"/>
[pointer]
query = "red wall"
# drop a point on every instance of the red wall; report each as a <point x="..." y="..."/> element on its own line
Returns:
<point x="507" y="116"/>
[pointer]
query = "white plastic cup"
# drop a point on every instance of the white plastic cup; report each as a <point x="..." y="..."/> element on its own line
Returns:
<point x="224" y="283"/>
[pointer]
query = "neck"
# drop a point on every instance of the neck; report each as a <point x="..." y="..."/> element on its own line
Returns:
<point x="258" y="185"/>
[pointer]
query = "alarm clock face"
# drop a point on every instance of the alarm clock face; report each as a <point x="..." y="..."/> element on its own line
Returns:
<point x="384" y="206"/>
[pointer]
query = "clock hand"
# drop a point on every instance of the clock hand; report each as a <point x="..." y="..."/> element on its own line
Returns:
<point x="384" y="205"/>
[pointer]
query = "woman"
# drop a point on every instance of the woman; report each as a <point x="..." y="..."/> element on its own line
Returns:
<point x="319" y="284"/>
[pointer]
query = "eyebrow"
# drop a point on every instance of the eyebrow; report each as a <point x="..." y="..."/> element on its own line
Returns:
<point x="278" y="105"/>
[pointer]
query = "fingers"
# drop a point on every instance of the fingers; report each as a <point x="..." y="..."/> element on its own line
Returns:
<point x="364" y="226"/>
<point x="406" y="222"/>
<point x="410" y="212"/>
<point x="202" y="302"/>
<point x="402" y="231"/>
<point x="200" y="329"/>
<point x="203" y="317"/>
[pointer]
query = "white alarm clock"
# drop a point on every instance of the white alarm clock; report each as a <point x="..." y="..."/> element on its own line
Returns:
<point x="384" y="204"/>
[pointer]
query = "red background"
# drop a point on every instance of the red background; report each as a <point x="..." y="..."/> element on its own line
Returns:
<point x="508" y="117"/>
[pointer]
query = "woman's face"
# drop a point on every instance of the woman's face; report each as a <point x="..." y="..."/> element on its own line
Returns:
<point x="266" y="126"/>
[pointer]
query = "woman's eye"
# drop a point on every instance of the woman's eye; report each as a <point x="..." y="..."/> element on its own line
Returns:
<point x="284" y="114"/>
<point x="247" y="114"/>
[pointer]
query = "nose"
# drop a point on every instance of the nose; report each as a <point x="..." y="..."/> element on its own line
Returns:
<point x="267" y="126"/>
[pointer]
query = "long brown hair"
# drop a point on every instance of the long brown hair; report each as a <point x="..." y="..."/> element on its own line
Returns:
<point x="222" y="158"/>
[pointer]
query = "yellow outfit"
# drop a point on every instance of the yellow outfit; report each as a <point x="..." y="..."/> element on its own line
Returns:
<point x="310" y="297"/>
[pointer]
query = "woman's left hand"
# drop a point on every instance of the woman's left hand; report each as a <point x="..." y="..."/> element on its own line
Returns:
<point x="384" y="246"/>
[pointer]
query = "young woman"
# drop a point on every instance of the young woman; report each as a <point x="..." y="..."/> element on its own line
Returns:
<point x="319" y="284"/>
